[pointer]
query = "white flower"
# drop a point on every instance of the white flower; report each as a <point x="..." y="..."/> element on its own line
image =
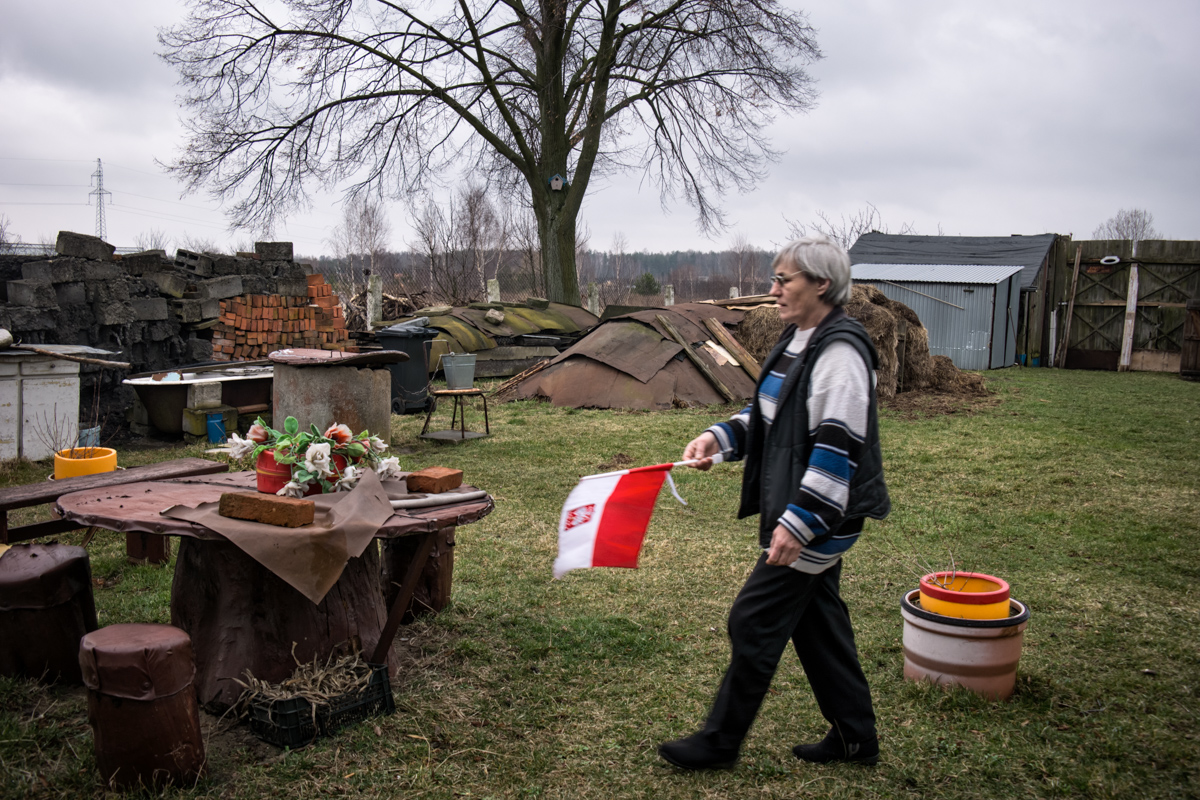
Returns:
<point x="349" y="479"/>
<point x="389" y="468"/>
<point x="293" y="489"/>
<point x="378" y="445"/>
<point x="316" y="460"/>
<point x="239" y="447"/>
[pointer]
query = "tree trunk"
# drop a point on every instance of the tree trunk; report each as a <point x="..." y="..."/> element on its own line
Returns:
<point x="556" y="233"/>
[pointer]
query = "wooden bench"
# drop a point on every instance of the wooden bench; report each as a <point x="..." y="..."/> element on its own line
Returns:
<point x="37" y="494"/>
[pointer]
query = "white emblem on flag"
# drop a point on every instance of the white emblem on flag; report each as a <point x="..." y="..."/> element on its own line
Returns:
<point x="579" y="516"/>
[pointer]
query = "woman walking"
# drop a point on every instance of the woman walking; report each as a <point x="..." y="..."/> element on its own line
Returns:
<point x="813" y="473"/>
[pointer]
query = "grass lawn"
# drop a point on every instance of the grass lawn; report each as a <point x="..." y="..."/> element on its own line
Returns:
<point x="1081" y="489"/>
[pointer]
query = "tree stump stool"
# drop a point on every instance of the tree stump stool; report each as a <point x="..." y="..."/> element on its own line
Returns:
<point x="46" y="607"/>
<point x="142" y="705"/>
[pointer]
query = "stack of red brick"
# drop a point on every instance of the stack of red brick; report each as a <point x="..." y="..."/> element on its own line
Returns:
<point x="253" y="325"/>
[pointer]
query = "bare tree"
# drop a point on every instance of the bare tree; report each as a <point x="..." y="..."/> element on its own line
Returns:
<point x="847" y="230"/>
<point x="1135" y="224"/>
<point x="462" y="244"/>
<point x="8" y="237"/>
<point x="363" y="233"/>
<point x="742" y="259"/>
<point x="384" y="96"/>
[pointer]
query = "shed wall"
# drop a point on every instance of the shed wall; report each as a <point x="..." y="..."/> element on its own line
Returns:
<point x="960" y="321"/>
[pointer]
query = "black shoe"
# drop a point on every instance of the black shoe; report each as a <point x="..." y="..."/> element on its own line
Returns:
<point x="832" y="748"/>
<point x="694" y="752"/>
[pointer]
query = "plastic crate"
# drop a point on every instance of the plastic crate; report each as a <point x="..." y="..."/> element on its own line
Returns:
<point x="290" y="723"/>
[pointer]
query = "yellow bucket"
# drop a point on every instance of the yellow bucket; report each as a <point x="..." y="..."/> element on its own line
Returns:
<point x="86" y="461"/>
<point x="965" y="595"/>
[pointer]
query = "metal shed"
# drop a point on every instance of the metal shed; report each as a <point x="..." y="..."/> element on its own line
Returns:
<point x="970" y="311"/>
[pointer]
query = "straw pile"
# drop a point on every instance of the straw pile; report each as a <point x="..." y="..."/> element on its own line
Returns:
<point x="949" y="379"/>
<point x="759" y="330"/>
<point x="869" y="306"/>
<point x="315" y="682"/>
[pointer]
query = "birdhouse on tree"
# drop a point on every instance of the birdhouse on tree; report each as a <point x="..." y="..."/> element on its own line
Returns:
<point x="557" y="183"/>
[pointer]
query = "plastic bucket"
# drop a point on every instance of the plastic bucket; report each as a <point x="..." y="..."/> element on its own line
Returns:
<point x="84" y="461"/>
<point x="460" y="370"/>
<point x="965" y="595"/>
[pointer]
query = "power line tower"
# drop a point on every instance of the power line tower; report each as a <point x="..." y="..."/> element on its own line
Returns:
<point x="99" y="192"/>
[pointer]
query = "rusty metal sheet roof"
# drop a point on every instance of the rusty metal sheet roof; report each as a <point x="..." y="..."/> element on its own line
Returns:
<point x="629" y="346"/>
<point x="581" y="317"/>
<point x="513" y="324"/>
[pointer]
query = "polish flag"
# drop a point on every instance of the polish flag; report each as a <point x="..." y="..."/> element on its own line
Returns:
<point x="605" y="517"/>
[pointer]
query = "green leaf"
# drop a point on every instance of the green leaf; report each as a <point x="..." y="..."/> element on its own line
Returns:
<point x="291" y="426"/>
<point x="355" y="449"/>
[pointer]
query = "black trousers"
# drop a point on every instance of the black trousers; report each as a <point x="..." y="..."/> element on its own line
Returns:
<point x="777" y="604"/>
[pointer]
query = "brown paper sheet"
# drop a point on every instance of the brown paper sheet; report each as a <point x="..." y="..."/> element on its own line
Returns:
<point x="310" y="558"/>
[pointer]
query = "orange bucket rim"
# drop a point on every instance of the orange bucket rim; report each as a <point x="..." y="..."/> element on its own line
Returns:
<point x="98" y="452"/>
<point x="968" y="598"/>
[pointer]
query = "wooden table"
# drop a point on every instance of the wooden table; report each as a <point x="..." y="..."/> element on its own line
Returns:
<point x="240" y="615"/>
<point x="37" y="494"/>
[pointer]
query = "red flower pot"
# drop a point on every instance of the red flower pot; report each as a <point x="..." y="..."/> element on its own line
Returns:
<point x="273" y="476"/>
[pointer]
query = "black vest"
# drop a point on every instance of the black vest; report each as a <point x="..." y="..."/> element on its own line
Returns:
<point x="776" y="464"/>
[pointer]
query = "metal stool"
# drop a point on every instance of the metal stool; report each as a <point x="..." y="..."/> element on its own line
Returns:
<point x="460" y="408"/>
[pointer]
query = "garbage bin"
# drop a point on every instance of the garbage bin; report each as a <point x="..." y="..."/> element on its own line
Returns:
<point x="410" y="379"/>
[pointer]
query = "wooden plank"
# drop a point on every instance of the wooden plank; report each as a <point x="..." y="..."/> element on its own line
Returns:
<point x="35" y="494"/>
<point x="1066" y="330"/>
<point x="748" y="362"/>
<point x="721" y="388"/>
<point x="1131" y="299"/>
<point x="23" y="533"/>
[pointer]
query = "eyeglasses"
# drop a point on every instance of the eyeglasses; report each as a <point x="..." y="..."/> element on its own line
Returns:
<point x="780" y="280"/>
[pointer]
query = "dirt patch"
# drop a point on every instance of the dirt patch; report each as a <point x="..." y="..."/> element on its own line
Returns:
<point x="920" y="405"/>
<point x="619" y="461"/>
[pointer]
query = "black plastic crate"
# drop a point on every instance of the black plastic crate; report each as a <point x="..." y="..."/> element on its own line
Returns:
<point x="290" y="723"/>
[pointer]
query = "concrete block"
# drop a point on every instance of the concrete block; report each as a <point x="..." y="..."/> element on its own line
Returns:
<point x="199" y="263"/>
<point x="35" y="294"/>
<point x="199" y="350"/>
<point x="150" y="309"/>
<point x="57" y="270"/>
<point x="101" y="272"/>
<point x="289" y="269"/>
<point x="204" y="395"/>
<point x="168" y="283"/>
<point x="120" y="313"/>
<point x="137" y="413"/>
<point x="74" y="293"/>
<point x="80" y="245"/>
<point x="195" y="420"/>
<point x="107" y="291"/>
<point x="220" y="288"/>
<point x="269" y="509"/>
<point x="159" y="330"/>
<point x="145" y="261"/>
<point x="434" y="480"/>
<point x="291" y="287"/>
<point x="187" y="310"/>
<point x="274" y="251"/>
<point x="256" y="284"/>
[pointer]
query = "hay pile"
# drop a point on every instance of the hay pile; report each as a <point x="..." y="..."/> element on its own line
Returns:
<point x="912" y="370"/>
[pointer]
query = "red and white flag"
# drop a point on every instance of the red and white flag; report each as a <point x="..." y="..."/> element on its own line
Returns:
<point x="604" y="519"/>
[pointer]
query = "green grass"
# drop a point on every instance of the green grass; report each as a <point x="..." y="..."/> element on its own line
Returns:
<point x="1081" y="489"/>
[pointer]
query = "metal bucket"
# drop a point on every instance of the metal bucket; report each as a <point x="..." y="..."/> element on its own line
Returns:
<point x="460" y="370"/>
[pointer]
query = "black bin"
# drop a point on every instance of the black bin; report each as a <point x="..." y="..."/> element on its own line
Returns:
<point x="410" y="379"/>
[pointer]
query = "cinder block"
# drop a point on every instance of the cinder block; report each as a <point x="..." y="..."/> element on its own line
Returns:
<point x="434" y="480"/>
<point x="80" y="245"/>
<point x="187" y="310"/>
<point x="195" y="420"/>
<point x="291" y="287"/>
<point x="220" y="288"/>
<point x="269" y="509"/>
<point x="32" y="293"/>
<point x="199" y="263"/>
<point x="150" y="309"/>
<point x="204" y="395"/>
<point x="136" y="414"/>
<point x="199" y="350"/>
<point x="168" y="283"/>
<point x="102" y="272"/>
<point x="274" y="251"/>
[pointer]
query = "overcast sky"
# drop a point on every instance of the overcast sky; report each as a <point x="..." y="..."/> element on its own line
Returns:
<point x="989" y="119"/>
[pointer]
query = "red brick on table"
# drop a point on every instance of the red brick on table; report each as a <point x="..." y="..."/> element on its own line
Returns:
<point x="434" y="480"/>
<point x="287" y="512"/>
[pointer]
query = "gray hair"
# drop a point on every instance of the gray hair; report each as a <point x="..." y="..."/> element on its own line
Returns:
<point x="822" y="258"/>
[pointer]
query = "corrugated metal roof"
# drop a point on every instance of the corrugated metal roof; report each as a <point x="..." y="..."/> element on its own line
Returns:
<point x="989" y="274"/>
<point x="1028" y="251"/>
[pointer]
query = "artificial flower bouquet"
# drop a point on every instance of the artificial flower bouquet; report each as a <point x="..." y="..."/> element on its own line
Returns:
<point x="332" y="461"/>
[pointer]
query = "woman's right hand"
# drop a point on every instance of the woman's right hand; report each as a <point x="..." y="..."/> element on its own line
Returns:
<point x="701" y="449"/>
